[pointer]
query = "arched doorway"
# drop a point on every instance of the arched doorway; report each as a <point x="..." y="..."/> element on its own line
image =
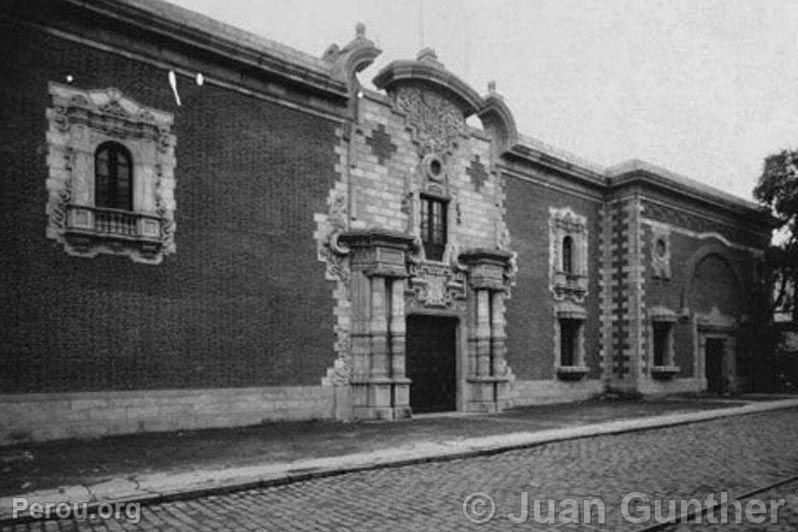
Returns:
<point x="715" y="298"/>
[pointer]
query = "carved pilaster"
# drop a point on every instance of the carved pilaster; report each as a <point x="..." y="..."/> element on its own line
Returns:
<point x="482" y="334"/>
<point x="488" y="374"/>
<point x="380" y="387"/>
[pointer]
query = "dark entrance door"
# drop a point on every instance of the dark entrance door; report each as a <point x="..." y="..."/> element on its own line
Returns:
<point x="716" y="381"/>
<point x="430" y="363"/>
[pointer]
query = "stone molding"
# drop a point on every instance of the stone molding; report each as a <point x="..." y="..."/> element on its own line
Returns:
<point x="668" y="369"/>
<point x="427" y="69"/>
<point x="79" y="122"/>
<point x="565" y="222"/>
<point x="716" y="321"/>
<point x="355" y="57"/>
<point x="660" y="251"/>
<point x="568" y="310"/>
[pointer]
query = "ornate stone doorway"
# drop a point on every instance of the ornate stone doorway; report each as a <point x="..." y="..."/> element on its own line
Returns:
<point x="716" y="375"/>
<point x="716" y="353"/>
<point x="431" y="351"/>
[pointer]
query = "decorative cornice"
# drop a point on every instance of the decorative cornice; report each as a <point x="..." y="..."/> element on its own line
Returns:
<point x="646" y="175"/>
<point x="376" y="236"/>
<point x="485" y="255"/>
<point x="184" y="27"/>
<point x="356" y="56"/>
<point x="498" y="118"/>
<point x="659" y="313"/>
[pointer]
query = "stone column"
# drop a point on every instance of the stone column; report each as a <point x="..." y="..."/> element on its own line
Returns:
<point x="397" y="341"/>
<point x="498" y="337"/>
<point x="378" y="326"/>
<point x="483" y="332"/>
<point x="487" y="369"/>
<point x="380" y="387"/>
<point x="360" y="337"/>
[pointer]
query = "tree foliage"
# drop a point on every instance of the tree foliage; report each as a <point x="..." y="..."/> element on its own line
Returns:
<point x="778" y="190"/>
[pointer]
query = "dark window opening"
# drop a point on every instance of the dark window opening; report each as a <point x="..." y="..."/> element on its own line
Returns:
<point x="661" y="343"/>
<point x="569" y="341"/>
<point x="113" y="177"/>
<point x="433" y="227"/>
<point x="661" y="247"/>
<point x="568" y="255"/>
<point x="435" y="167"/>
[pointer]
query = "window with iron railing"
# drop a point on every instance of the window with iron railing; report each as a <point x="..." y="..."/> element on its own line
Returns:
<point x="433" y="227"/>
<point x="115" y="195"/>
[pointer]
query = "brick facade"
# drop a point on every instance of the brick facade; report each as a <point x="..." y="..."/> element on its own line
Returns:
<point x="223" y="311"/>
<point x="299" y="252"/>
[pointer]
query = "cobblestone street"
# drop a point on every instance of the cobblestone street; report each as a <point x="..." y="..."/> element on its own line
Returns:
<point x="735" y="455"/>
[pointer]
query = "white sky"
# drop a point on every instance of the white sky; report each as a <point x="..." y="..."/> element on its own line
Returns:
<point x="706" y="88"/>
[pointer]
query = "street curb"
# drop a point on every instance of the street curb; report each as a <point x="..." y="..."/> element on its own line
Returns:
<point x="282" y="474"/>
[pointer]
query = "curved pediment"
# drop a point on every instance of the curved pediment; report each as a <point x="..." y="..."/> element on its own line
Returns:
<point x="429" y="76"/>
<point x="427" y="70"/>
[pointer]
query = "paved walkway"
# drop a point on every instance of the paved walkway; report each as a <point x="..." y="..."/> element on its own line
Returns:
<point x="164" y="484"/>
<point x="96" y="462"/>
<point x="730" y="454"/>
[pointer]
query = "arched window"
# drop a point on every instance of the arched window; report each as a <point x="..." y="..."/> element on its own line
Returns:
<point x="568" y="255"/>
<point x="113" y="177"/>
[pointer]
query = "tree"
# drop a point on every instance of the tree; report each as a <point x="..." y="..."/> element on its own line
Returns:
<point x="777" y="189"/>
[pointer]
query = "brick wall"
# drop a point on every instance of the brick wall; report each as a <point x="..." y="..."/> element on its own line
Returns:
<point x="530" y="349"/>
<point x="243" y="302"/>
<point x="713" y="284"/>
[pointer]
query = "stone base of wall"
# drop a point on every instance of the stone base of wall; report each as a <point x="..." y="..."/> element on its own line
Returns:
<point x="553" y="391"/>
<point x="38" y="417"/>
<point x="661" y="387"/>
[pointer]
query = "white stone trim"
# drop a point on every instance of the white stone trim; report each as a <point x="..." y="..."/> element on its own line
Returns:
<point x="564" y="222"/>
<point x="79" y="122"/>
<point x="570" y="311"/>
<point x="49" y="416"/>
<point x="660" y="264"/>
<point x="534" y="392"/>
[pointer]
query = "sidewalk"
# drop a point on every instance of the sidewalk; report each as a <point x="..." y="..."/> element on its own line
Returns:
<point x="150" y="467"/>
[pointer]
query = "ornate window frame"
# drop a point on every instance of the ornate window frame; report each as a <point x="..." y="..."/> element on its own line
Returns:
<point x="663" y="317"/>
<point x="661" y="251"/>
<point x="578" y="369"/>
<point x="79" y="122"/>
<point x="564" y="222"/>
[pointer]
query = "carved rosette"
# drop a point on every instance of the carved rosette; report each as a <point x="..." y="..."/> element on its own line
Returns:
<point x="437" y="121"/>
<point x="81" y="120"/>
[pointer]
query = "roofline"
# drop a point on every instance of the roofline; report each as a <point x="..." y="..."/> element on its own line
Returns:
<point x="229" y="42"/>
<point x="295" y="67"/>
<point x="638" y="172"/>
